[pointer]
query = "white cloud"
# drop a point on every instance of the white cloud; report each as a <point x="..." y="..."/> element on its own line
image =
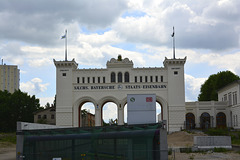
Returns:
<point x="109" y="111"/>
<point x="89" y="107"/>
<point x="33" y="87"/>
<point x="192" y="87"/>
<point x="45" y="100"/>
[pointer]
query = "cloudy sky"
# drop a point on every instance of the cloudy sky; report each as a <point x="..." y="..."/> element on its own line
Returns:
<point x="207" y="32"/>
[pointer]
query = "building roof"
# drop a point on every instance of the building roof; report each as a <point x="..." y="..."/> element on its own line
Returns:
<point x="234" y="82"/>
<point x="43" y="110"/>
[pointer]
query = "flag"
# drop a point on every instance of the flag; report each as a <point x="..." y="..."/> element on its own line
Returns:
<point x="64" y="36"/>
<point x="149" y="99"/>
<point x="173" y="32"/>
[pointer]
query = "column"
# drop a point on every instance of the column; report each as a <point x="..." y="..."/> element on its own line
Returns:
<point x="98" y="113"/>
<point x="120" y="115"/>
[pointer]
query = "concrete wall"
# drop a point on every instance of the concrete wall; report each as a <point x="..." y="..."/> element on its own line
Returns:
<point x="211" y="142"/>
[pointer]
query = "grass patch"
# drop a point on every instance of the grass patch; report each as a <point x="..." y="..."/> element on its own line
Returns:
<point x="217" y="132"/>
<point x="220" y="150"/>
<point x="235" y="135"/>
<point x="185" y="150"/>
<point x="8" y="137"/>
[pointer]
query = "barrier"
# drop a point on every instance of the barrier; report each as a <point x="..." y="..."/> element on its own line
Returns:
<point x="211" y="142"/>
<point x="145" y="141"/>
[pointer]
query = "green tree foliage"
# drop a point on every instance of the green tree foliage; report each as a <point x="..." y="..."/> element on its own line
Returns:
<point x="210" y="87"/>
<point x="15" y="107"/>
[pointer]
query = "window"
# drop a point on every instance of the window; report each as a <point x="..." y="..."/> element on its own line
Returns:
<point x="119" y="76"/>
<point x="146" y="78"/>
<point x="175" y="72"/>
<point x="234" y="98"/>
<point x="113" y="77"/>
<point x="135" y="78"/>
<point x="39" y="116"/>
<point x="156" y="79"/>
<point x="225" y="97"/>
<point x="83" y="80"/>
<point x="161" y="78"/>
<point x="151" y="78"/>
<point x="230" y="98"/>
<point x="44" y="116"/>
<point x="52" y="116"/>
<point x="103" y="79"/>
<point x="126" y="77"/>
<point x="98" y="79"/>
<point x="93" y="79"/>
<point x="64" y="74"/>
<point x="88" y="79"/>
<point x="236" y="120"/>
<point x="140" y="78"/>
<point x="77" y="79"/>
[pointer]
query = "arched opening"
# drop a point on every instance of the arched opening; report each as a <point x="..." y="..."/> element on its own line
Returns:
<point x="113" y="77"/>
<point x="221" y="120"/>
<point x="125" y="113"/>
<point x="86" y="115"/>
<point x="126" y="77"/>
<point x="119" y="76"/>
<point x="159" y="115"/>
<point x="205" y="120"/>
<point x="190" y="121"/>
<point x="109" y="114"/>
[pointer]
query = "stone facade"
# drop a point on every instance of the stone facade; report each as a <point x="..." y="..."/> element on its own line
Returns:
<point x="112" y="84"/>
<point x="231" y="95"/>
<point x="46" y="116"/>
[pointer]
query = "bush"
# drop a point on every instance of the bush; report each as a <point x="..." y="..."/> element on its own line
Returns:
<point x="8" y="137"/>
<point x="217" y="132"/>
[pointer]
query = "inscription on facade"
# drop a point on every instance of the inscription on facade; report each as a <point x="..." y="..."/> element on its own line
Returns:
<point x="119" y="87"/>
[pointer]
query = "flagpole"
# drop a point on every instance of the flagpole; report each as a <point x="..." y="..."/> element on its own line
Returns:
<point x="173" y="35"/>
<point x="66" y="46"/>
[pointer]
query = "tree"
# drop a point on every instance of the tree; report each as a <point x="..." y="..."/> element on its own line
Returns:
<point x="215" y="82"/>
<point x="15" y="107"/>
<point x="47" y="105"/>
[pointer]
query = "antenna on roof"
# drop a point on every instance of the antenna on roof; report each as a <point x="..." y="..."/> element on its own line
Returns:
<point x="173" y="43"/>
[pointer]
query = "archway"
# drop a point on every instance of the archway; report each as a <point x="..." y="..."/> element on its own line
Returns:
<point x="221" y="120"/>
<point x="86" y="115"/>
<point x="159" y="115"/>
<point x="125" y="113"/>
<point x="109" y="113"/>
<point x="205" y="120"/>
<point x="190" y="121"/>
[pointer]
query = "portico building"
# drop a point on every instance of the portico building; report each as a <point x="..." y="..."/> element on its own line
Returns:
<point x="75" y="87"/>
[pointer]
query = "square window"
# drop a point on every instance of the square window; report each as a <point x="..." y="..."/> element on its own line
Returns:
<point x="64" y="74"/>
<point x="175" y="72"/>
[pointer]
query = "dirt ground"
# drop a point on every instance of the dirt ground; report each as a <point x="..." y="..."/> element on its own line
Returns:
<point x="7" y="151"/>
<point x="182" y="139"/>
